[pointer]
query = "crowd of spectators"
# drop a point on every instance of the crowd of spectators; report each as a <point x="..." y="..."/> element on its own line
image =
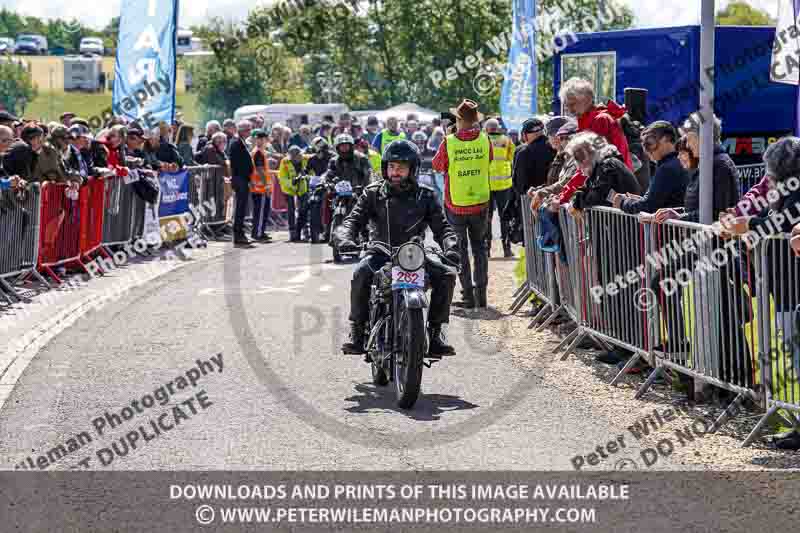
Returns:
<point x="584" y="160"/>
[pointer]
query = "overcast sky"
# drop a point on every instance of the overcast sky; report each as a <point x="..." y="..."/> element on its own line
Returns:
<point x="649" y="13"/>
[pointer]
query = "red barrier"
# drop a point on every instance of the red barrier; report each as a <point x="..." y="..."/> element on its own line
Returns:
<point x="59" y="232"/>
<point x="279" y="203"/>
<point x="92" y="200"/>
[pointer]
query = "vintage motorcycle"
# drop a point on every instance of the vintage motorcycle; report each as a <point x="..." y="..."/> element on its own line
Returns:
<point x="344" y="200"/>
<point x="398" y="343"/>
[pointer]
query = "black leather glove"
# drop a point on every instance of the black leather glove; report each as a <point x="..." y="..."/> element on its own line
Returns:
<point x="453" y="256"/>
<point x="347" y="245"/>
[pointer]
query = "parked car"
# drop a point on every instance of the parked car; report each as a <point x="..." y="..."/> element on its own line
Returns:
<point x="31" y="44"/>
<point x="92" y="45"/>
<point x="6" y="45"/>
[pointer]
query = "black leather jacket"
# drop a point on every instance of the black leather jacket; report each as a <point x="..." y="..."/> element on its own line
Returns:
<point x="356" y="170"/>
<point x="404" y="214"/>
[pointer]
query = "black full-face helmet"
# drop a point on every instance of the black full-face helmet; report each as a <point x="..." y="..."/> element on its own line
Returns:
<point x="401" y="151"/>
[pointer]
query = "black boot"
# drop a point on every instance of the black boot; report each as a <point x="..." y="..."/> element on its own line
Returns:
<point x="438" y="342"/>
<point x="357" y="338"/>
<point x="507" y="249"/>
<point x="480" y="298"/>
<point x="467" y="299"/>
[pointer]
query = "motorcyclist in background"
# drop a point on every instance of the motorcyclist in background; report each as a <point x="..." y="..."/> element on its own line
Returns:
<point x="426" y="159"/>
<point x="397" y="209"/>
<point x="364" y="148"/>
<point x="318" y="163"/>
<point x="348" y="164"/>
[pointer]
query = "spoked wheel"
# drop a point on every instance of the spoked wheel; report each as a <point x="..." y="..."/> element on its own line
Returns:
<point x="409" y="359"/>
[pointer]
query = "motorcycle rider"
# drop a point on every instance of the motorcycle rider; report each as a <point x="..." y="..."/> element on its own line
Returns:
<point x="396" y="209"/>
<point x="319" y="203"/>
<point x="426" y="158"/>
<point x="348" y="164"/>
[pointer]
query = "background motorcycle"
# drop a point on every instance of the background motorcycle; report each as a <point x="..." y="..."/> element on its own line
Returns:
<point x="316" y="196"/>
<point x="344" y="200"/>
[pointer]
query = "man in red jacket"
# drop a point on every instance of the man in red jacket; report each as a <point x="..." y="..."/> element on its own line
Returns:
<point x="578" y="98"/>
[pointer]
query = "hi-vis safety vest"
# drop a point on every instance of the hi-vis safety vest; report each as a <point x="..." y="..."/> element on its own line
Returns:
<point x="387" y="137"/>
<point x="500" y="166"/>
<point x="468" y="170"/>
<point x="375" y="162"/>
<point x="260" y="180"/>
<point x="286" y="175"/>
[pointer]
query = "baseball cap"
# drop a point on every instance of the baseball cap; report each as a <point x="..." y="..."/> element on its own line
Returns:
<point x="569" y="128"/>
<point x="67" y="114"/>
<point x="372" y="120"/>
<point x="532" y="125"/>
<point x="5" y="116"/>
<point x="660" y="128"/>
<point x="554" y="124"/>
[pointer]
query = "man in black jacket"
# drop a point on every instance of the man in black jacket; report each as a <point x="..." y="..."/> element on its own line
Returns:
<point x="668" y="186"/>
<point x="241" y="169"/>
<point x="22" y="155"/>
<point x="398" y="209"/>
<point x="532" y="160"/>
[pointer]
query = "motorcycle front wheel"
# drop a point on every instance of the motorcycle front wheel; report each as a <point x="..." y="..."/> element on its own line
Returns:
<point x="409" y="361"/>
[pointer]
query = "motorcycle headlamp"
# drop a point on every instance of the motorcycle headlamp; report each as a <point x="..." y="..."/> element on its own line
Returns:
<point x="411" y="257"/>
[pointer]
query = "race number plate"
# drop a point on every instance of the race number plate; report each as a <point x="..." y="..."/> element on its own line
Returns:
<point x="403" y="279"/>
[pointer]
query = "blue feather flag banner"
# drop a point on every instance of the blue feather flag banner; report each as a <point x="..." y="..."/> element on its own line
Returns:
<point x="144" y="74"/>
<point x="518" y="96"/>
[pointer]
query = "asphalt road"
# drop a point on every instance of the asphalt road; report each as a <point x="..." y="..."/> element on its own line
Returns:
<point x="286" y="397"/>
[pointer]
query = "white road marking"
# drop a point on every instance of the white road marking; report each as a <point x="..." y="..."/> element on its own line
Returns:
<point x="221" y="291"/>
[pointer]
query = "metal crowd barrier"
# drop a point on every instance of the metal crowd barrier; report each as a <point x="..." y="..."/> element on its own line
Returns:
<point x="680" y="297"/>
<point x="206" y="188"/>
<point x="539" y="270"/>
<point x="777" y="281"/>
<point x="19" y="246"/>
<point x="120" y="218"/>
<point x="92" y="208"/>
<point x="59" y="230"/>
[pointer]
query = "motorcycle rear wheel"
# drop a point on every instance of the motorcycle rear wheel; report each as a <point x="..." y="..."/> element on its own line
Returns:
<point x="408" y="368"/>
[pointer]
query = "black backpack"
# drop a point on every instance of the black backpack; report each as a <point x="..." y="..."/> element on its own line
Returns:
<point x="147" y="188"/>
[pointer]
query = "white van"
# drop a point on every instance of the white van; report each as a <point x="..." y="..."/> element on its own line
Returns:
<point x="291" y="114"/>
<point x="185" y="42"/>
<point x="92" y="45"/>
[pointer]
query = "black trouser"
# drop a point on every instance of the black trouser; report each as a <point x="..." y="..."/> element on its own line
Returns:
<point x="242" y="189"/>
<point x="442" y="283"/>
<point x="297" y="221"/>
<point x="261" y="208"/>
<point x="499" y="201"/>
<point x="471" y="231"/>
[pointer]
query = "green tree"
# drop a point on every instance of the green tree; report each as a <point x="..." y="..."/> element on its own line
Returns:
<point x="16" y="86"/>
<point x="743" y="14"/>
<point x="391" y="52"/>
<point x="242" y="71"/>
